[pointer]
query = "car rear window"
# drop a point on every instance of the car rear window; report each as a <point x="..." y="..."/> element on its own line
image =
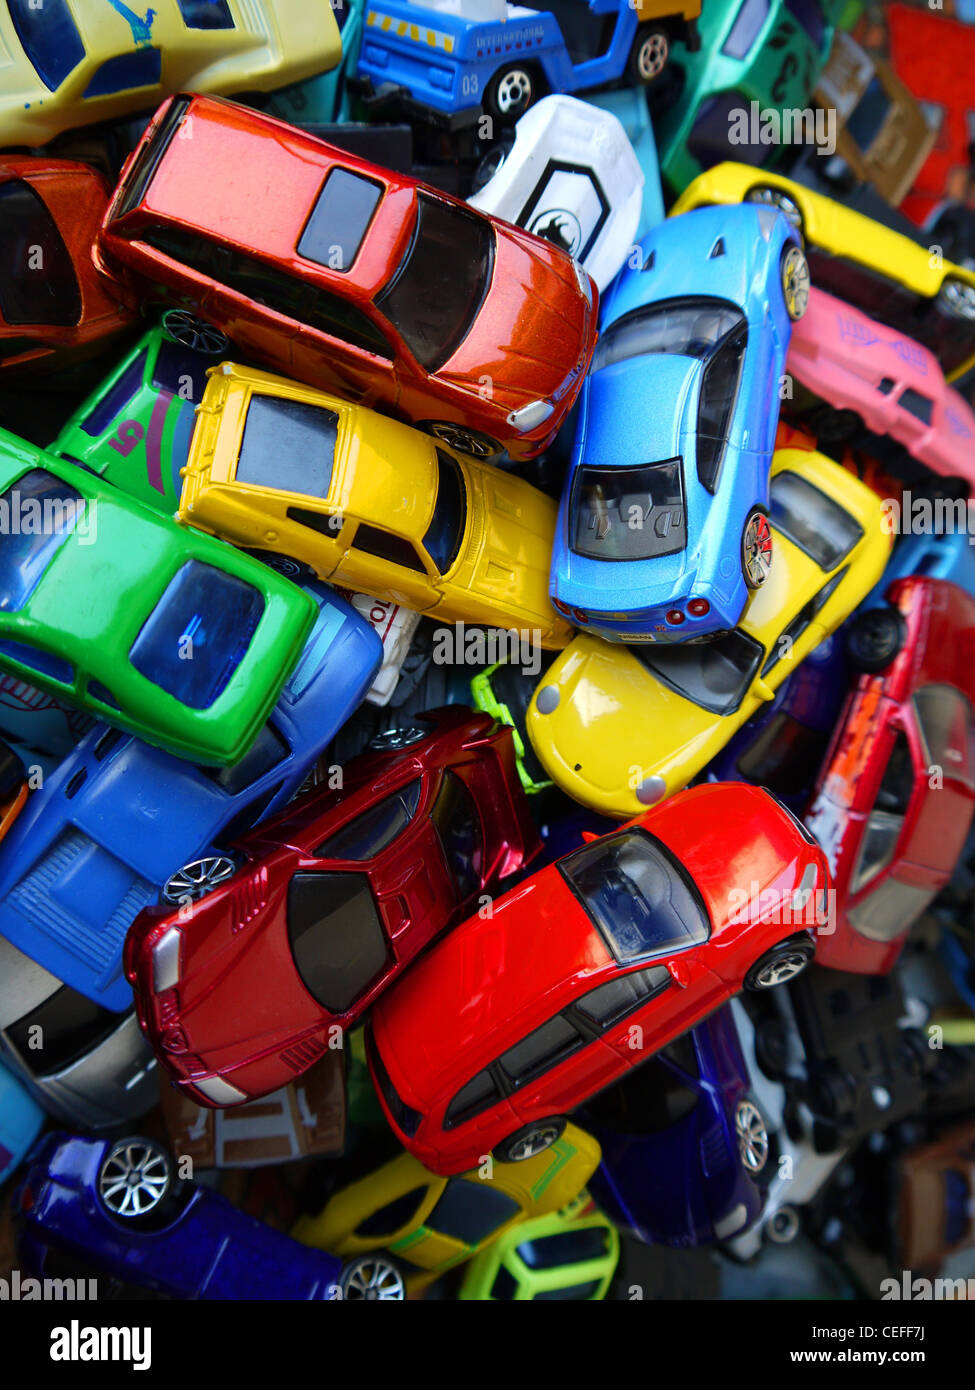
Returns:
<point x="820" y="527"/>
<point x="49" y="37"/>
<point x="38" y="284"/>
<point x="71" y="1026"/>
<point x="629" y="513"/>
<point x="206" y="14"/>
<point x="340" y="219"/>
<point x="336" y="937"/>
<point x="53" y="510"/>
<point x="716" y="675"/>
<point x="288" y="446"/>
<point x="198" y="633"/>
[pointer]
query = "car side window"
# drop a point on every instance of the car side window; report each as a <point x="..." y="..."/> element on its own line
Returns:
<point x="206" y="14"/>
<point x="385" y="546"/>
<point x="944" y="717"/>
<point x="459" y="830"/>
<point x="374" y="830"/>
<point x="719" y="391"/>
<point x="607" y="1004"/>
<point x="541" y="1050"/>
<point x="394" y="1215"/>
<point x="471" y="1211"/>
<point x="478" y="1093"/>
<point x="126" y="71"/>
<point x="897" y="784"/>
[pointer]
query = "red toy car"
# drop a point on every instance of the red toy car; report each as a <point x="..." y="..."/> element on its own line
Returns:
<point x="242" y="992"/>
<point x="54" y="305"/>
<point x="588" y="968"/>
<point x="346" y="276"/>
<point x="896" y="794"/>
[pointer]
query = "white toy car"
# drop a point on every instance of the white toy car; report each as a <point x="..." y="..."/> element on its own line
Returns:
<point x="396" y="626"/>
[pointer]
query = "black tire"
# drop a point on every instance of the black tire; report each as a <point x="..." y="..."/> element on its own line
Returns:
<point x="837" y="427"/>
<point x="190" y="331"/>
<point x="510" y="92"/>
<point x="772" y="1048"/>
<point x="395" y="739"/>
<point x="530" y="1140"/>
<point x="135" y="1202"/>
<point x="874" y="638"/>
<point x="295" y="570"/>
<point x="464" y="440"/>
<point x="491" y="163"/>
<point x="782" y="963"/>
<point x="783" y="1225"/>
<point x="649" y="55"/>
<point x="756" y="549"/>
<point x="373" y="1278"/>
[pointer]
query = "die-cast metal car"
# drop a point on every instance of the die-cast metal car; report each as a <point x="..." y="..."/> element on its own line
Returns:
<point x="587" y="968"/>
<point x="568" y="1256"/>
<point x="620" y="727"/>
<point x="353" y="278"/>
<point x="663" y="526"/>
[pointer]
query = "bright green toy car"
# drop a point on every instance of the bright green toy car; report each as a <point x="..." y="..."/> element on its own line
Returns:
<point x="134" y="430"/>
<point x="570" y="1255"/>
<point x="505" y="693"/>
<point x="165" y="632"/>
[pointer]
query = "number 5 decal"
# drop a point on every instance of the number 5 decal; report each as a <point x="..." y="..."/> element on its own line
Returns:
<point x="127" y="436"/>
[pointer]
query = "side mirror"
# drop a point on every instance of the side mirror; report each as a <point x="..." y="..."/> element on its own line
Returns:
<point x="763" y="690"/>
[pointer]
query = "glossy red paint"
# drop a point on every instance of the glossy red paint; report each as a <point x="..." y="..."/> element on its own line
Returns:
<point x="896" y="729"/>
<point x="493" y="981"/>
<point x="336" y="896"/>
<point x="216" y="181"/>
<point x="55" y="205"/>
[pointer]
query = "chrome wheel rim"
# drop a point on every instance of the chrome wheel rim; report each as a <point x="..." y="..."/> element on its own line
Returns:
<point x="757" y="550"/>
<point x="456" y="437"/>
<point x="752" y="1135"/>
<point x="192" y="332"/>
<point x="781" y="970"/>
<point x="536" y="1142"/>
<point x="133" y="1179"/>
<point x="375" y="1281"/>
<point x="960" y="298"/>
<point x="391" y="740"/>
<point x="514" y="91"/>
<point x="795" y="282"/>
<point x="652" y="56"/>
<point x="775" y="198"/>
<point x="198" y="878"/>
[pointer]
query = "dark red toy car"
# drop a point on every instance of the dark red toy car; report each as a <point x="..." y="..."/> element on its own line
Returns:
<point x="350" y="277"/>
<point x="589" y="967"/>
<point x="54" y="305"/>
<point x="894" y="801"/>
<point x="244" y="990"/>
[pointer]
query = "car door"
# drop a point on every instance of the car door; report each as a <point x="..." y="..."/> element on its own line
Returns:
<point x="390" y="566"/>
<point x="939" y="720"/>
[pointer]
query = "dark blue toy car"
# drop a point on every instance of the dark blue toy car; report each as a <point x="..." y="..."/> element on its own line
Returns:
<point x="121" y="824"/>
<point x="118" y="1208"/>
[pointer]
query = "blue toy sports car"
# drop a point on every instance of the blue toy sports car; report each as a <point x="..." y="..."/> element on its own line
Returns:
<point x="121" y="824"/>
<point x="662" y="526"/>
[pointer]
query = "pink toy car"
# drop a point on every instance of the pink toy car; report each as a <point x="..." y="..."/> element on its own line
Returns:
<point x="869" y="376"/>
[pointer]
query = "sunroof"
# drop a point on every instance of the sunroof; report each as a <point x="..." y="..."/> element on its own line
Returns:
<point x="339" y="220"/>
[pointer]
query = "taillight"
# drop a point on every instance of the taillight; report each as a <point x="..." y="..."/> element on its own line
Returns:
<point x="580" y="615"/>
<point x="562" y="607"/>
<point x="26" y="1198"/>
<point x="674" y="616"/>
<point x="698" y="607"/>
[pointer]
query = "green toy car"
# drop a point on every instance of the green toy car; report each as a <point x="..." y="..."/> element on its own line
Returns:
<point x="505" y="693"/>
<point x="569" y="1255"/>
<point x="134" y="430"/>
<point x="163" y="631"/>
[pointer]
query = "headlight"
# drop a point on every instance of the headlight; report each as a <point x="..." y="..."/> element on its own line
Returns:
<point x="585" y="284"/>
<point x="220" y="1092"/>
<point x="165" y="961"/>
<point x="529" y="417"/>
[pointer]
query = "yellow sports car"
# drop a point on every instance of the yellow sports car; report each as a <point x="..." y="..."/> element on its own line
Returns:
<point x="887" y="274"/>
<point x="433" y="1223"/>
<point x="620" y="728"/>
<point x="369" y="503"/>
<point x="66" y="63"/>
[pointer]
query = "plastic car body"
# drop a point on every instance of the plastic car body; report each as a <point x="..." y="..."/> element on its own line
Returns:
<point x="936" y="1200"/>
<point x="162" y="631"/>
<point x="396" y="627"/>
<point x="767" y="52"/>
<point x="21" y="1119"/>
<point x="621" y="727"/>
<point x="629" y="106"/>
<point x="568" y="1256"/>
<point x="95" y="1069"/>
<point x="884" y="273"/>
<point x="586" y="969"/>
<point x="134" y="430"/>
<point x="201" y="1247"/>
<point x="72" y="63"/>
<point x="892" y="385"/>
<point x="456" y="60"/>
<point x="338" y="894"/>
<point x="122" y="824"/>
<point x="675" y="430"/>
<point x="571" y="177"/>
<point x="353" y="278"/>
<point x="54" y="306"/>
<point x="369" y="503"/>
<point x="13" y="786"/>
<point x="503" y="691"/>
<point x="434" y="1223"/>
<point x="685" y="1146"/>
<point x="325" y="97"/>
<point x="940" y="555"/>
<point x="895" y="799"/>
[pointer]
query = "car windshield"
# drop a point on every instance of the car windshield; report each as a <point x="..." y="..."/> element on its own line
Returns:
<point x="118" y="396"/>
<point x="748" y="25"/>
<point x="288" y="446"/>
<point x="336" y="937"/>
<point x="820" y="527"/>
<point x="37" y="515"/>
<point x="681" y="327"/>
<point x="629" y="513"/>
<point x="49" y="36"/>
<point x="38" y="284"/>
<point x="635" y="893"/>
<point x="446" y="531"/>
<point x="716" y="675"/>
<point x="205" y="614"/>
<point x="434" y="297"/>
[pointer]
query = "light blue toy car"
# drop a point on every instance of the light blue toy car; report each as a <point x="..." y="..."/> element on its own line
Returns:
<point x="21" y="1119"/>
<point x="662" y="526"/>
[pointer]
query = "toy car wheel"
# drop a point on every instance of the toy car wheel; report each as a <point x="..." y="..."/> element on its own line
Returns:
<point x="874" y="638"/>
<point x="772" y="1048"/>
<point x="192" y="332"/>
<point x="375" y="1277"/>
<point x="783" y="963"/>
<point x="751" y="1136"/>
<point x="795" y="282"/>
<point x="283" y="564"/>
<point x="134" y="1179"/>
<point x="756" y="550"/>
<point x="836" y="427"/>
<point x="511" y="93"/>
<point x="532" y="1139"/>
<point x="194" y="880"/>
<point x="392" y="740"/>
<point x="491" y="164"/>
<point x="465" y="441"/>
<point x="651" y="49"/>
<point x="958" y="298"/>
<point x="776" y="198"/>
<point x="783" y="1225"/>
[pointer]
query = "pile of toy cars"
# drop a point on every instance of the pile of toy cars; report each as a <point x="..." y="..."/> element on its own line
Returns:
<point x="487" y="649"/>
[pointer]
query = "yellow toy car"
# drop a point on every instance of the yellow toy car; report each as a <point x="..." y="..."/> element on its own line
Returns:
<point x="429" y="1224"/>
<point x="620" y="728"/>
<point x="569" y="1256"/>
<point x="883" y="272"/>
<point x="369" y="503"/>
<point x="68" y="63"/>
